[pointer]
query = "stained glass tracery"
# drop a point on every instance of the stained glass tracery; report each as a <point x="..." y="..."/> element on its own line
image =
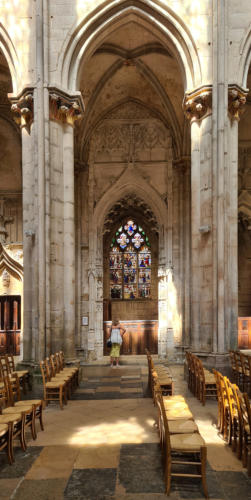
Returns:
<point x="130" y="263"/>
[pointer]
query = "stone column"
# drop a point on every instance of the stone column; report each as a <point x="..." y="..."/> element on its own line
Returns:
<point x="22" y="108"/>
<point x="197" y="107"/>
<point x="64" y="110"/>
<point x="236" y="102"/>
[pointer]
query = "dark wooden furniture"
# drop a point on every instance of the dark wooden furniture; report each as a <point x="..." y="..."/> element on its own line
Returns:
<point x="10" y="324"/>
<point x="244" y="332"/>
<point x="140" y="335"/>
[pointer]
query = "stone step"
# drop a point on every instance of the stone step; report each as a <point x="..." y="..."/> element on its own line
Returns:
<point x="132" y="359"/>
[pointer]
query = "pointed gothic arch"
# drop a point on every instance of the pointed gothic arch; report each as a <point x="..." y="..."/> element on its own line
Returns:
<point x="10" y="265"/>
<point x="8" y="49"/>
<point x="170" y="29"/>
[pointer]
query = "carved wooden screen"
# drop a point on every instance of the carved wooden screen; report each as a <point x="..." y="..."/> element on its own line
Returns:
<point x="130" y="263"/>
<point x="10" y="324"/>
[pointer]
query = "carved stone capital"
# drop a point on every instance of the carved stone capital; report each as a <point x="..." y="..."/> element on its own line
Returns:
<point x="236" y="101"/>
<point x="198" y="104"/>
<point x="22" y="108"/>
<point x="65" y="108"/>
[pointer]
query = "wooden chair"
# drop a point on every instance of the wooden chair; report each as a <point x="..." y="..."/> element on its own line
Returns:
<point x="65" y="376"/>
<point x="246" y="379"/>
<point x="233" y="366"/>
<point x="219" y="401"/>
<point x="193" y="374"/>
<point x="6" y="440"/>
<point x="247" y="433"/>
<point x="17" y="422"/>
<point x="26" y="409"/>
<point x="236" y="432"/>
<point x="176" y="426"/>
<point x="37" y="405"/>
<point x="53" y="391"/>
<point x="183" y="453"/>
<point x="13" y="378"/>
<point x="23" y="375"/>
<point x="226" y="428"/>
<point x="72" y="369"/>
<point x="206" y="383"/>
<point x="239" y="373"/>
<point x="6" y="371"/>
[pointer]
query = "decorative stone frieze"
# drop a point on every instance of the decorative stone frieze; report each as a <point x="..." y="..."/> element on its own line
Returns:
<point x="3" y="220"/>
<point x="198" y="104"/>
<point x="22" y="108"/>
<point x="236" y="101"/>
<point x="65" y="108"/>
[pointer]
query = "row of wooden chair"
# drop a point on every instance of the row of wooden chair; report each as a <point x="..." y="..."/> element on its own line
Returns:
<point x="241" y="370"/>
<point x="16" y="415"/>
<point x="59" y="381"/>
<point x="234" y="418"/>
<point x="201" y="381"/>
<point x="8" y="369"/>
<point x="184" y="450"/>
<point x="158" y="374"/>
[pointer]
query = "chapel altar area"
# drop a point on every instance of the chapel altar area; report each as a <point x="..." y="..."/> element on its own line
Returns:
<point x="140" y="335"/>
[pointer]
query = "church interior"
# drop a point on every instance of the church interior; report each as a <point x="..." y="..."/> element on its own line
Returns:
<point x="125" y="203"/>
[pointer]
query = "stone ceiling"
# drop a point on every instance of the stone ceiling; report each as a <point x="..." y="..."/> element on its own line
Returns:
<point x="130" y="64"/>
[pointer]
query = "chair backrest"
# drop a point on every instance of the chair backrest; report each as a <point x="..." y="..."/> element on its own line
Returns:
<point x="244" y="364"/>
<point x="48" y="367"/>
<point x="237" y="359"/>
<point x="199" y="370"/>
<point x="61" y="354"/>
<point x="43" y="372"/>
<point x="4" y="367"/>
<point x="248" y="408"/>
<point x="58" y="362"/>
<point x="5" y="393"/>
<point x="238" y="403"/>
<point x="53" y="365"/>
<point x="231" y="399"/>
<point x="242" y="404"/>
<point x="232" y="361"/>
<point x="166" y="428"/>
<point x="10" y="362"/>
<point x="217" y="381"/>
<point x="223" y="390"/>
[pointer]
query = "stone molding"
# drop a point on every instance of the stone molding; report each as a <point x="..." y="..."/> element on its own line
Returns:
<point x="23" y="109"/>
<point x="3" y="220"/>
<point x="65" y="108"/>
<point x="8" y="263"/>
<point x="198" y="103"/>
<point x="237" y="97"/>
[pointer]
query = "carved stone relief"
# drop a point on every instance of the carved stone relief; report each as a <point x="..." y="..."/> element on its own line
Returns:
<point x="6" y="279"/>
<point x="127" y="132"/>
<point x="127" y="140"/>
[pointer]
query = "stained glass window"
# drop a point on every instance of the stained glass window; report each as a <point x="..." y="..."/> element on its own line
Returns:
<point x="130" y="263"/>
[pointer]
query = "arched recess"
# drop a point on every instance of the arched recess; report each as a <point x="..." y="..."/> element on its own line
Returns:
<point x="8" y="49"/>
<point x="169" y="29"/>
<point x="171" y="121"/>
<point x="132" y="187"/>
<point x="11" y="265"/>
<point x="128" y="186"/>
<point x="245" y="59"/>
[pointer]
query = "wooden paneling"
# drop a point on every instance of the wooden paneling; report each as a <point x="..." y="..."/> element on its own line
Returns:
<point x="10" y="324"/>
<point x="139" y="336"/>
<point x="244" y="332"/>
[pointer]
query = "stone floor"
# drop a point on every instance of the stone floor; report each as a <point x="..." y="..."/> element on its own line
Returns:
<point x="104" y="446"/>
